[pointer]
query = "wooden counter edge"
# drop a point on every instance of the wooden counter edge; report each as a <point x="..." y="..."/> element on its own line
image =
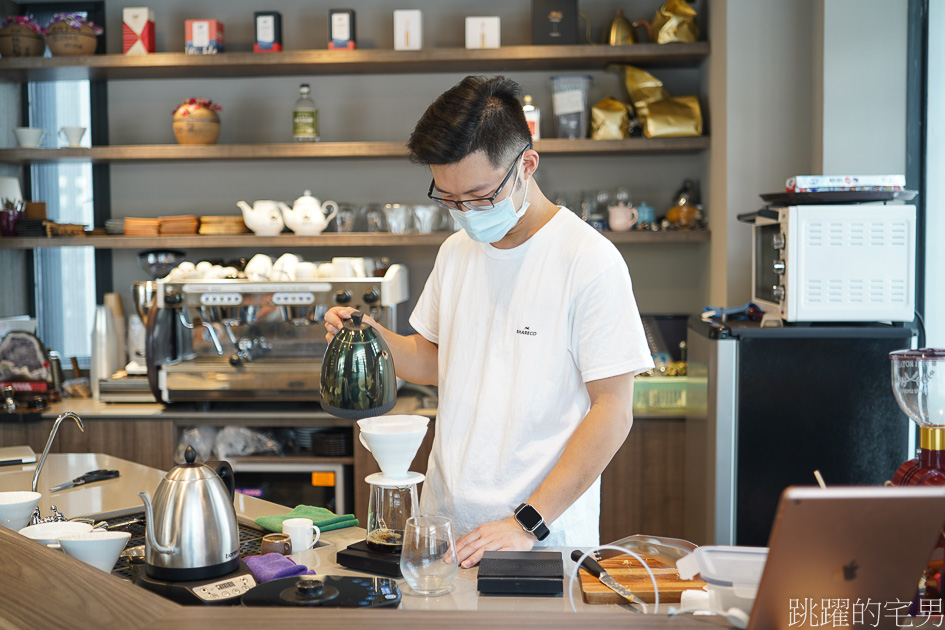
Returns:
<point x="43" y="588"/>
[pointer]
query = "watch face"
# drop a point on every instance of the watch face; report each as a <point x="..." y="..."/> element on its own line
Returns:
<point x="528" y="517"/>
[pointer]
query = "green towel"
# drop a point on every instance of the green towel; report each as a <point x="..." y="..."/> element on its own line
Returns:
<point x="324" y="518"/>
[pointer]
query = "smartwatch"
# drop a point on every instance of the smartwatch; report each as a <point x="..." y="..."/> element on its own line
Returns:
<point x="531" y="521"/>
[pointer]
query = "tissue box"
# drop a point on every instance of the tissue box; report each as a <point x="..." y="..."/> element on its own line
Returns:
<point x="408" y="29"/>
<point x="554" y="22"/>
<point x="137" y="30"/>
<point x="341" y="29"/>
<point x="482" y="32"/>
<point x="268" y="31"/>
<point x="203" y="37"/>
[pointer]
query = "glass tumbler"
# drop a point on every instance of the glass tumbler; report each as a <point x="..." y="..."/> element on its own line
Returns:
<point x="428" y="559"/>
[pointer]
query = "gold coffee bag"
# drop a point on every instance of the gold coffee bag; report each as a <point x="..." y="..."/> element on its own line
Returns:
<point x="643" y="89"/>
<point x="673" y="118"/>
<point x="610" y="120"/>
<point x="675" y="21"/>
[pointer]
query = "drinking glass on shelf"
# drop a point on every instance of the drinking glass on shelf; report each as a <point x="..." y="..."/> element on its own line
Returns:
<point x="374" y="214"/>
<point x="426" y="216"/>
<point x="622" y="197"/>
<point x="428" y="558"/>
<point x="399" y="217"/>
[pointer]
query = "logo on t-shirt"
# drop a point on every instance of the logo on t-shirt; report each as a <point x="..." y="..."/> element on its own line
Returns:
<point x="530" y="333"/>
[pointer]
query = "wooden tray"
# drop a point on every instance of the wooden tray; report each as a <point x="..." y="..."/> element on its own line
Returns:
<point x="630" y="573"/>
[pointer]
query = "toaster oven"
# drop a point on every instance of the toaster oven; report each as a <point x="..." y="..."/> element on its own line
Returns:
<point x="835" y="263"/>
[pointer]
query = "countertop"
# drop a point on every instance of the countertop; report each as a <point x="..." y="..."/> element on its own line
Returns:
<point x="80" y="589"/>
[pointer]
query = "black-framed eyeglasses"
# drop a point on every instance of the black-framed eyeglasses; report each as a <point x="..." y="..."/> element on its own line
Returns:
<point x="482" y="203"/>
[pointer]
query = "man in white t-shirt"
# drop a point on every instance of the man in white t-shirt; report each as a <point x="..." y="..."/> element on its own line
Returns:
<point x="529" y="328"/>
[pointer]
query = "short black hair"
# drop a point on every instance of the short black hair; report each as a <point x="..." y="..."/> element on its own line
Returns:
<point x="476" y="114"/>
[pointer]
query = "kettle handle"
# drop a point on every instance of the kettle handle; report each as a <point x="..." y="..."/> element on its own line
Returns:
<point x="223" y="469"/>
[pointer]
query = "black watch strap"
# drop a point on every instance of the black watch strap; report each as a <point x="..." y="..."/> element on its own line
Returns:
<point x="531" y="521"/>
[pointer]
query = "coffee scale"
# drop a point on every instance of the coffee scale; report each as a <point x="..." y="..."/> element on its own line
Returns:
<point x="394" y="441"/>
<point x="918" y="383"/>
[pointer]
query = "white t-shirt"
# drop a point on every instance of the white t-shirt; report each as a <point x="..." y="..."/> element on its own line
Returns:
<point x="520" y="331"/>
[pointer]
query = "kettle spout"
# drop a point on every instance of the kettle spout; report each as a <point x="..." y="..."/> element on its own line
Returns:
<point x="149" y="529"/>
<point x="245" y="207"/>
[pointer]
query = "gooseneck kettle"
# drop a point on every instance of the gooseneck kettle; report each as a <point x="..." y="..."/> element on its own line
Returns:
<point x="357" y="375"/>
<point x="192" y="532"/>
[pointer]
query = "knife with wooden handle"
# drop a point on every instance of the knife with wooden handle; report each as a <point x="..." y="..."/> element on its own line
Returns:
<point x="591" y="566"/>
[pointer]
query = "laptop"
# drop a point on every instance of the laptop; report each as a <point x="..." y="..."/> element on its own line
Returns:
<point x="865" y="548"/>
<point x="16" y="455"/>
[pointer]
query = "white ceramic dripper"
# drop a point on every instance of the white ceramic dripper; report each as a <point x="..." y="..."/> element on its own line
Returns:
<point x="394" y="441"/>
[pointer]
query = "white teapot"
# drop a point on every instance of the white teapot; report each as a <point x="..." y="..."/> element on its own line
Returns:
<point x="263" y="217"/>
<point x="308" y="215"/>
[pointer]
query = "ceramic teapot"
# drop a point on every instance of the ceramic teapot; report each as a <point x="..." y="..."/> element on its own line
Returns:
<point x="264" y="217"/>
<point x="308" y="215"/>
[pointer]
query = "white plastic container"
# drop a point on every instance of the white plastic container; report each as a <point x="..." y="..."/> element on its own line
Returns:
<point x="732" y="574"/>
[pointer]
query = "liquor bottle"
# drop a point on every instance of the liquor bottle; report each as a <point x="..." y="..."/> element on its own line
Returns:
<point x="305" y="117"/>
<point x="532" y="117"/>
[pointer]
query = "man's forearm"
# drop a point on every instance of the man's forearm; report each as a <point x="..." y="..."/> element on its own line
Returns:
<point x="415" y="358"/>
<point x="601" y="433"/>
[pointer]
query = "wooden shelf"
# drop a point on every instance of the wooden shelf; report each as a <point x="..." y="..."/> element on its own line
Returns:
<point x="321" y="62"/>
<point x="286" y="241"/>
<point x="333" y="150"/>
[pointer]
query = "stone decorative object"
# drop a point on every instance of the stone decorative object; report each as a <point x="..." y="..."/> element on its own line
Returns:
<point x="20" y="36"/>
<point x="70" y="34"/>
<point x="197" y="121"/>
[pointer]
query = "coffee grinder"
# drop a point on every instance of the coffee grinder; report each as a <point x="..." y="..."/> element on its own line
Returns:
<point x="918" y="382"/>
<point x="394" y="441"/>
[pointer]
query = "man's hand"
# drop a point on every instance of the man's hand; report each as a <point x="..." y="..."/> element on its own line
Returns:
<point x="334" y="320"/>
<point x="504" y="535"/>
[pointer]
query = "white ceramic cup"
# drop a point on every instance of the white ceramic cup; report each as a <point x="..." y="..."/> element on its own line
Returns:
<point x="99" y="549"/>
<point x="326" y="270"/>
<point x="306" y="271"/>
<point x="16" y="508"/>
<point x="303" y="533"/>
<point x="71" y="135"/>
<point x="259" y="268"/>
<point x="348" y="267"/>
<point x="29" y="137"/>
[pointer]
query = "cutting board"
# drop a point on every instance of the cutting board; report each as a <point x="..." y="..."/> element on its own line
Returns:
<point x="628" y="572"/>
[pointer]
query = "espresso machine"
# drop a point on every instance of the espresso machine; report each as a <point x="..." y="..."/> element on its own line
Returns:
<point x="243" y="340"/>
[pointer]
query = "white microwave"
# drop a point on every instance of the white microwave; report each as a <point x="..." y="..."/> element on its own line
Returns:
<point x="835" y="263"/>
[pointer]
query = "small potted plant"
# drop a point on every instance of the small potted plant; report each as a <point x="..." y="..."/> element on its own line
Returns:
<point x="197" y="121"/>
<point x="20" y="36"/>
<point x="71" y="34"/>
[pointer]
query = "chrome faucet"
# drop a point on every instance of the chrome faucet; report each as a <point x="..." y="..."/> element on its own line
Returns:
<point x="42" y="460"/>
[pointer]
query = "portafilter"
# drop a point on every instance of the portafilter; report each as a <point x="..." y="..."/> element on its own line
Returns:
<point x="357" y="374"/>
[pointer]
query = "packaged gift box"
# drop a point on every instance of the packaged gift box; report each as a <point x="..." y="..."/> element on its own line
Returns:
<point x="203" y="37"/>
<point x="482" y="32"/>
<point x="268" y="31"/>
<point x="341" y="29"/>
<point x="137" y="30"/>
<point x="408" y="29"/>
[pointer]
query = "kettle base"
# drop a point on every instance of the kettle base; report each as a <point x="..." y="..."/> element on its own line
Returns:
<point x="192" y="574"/>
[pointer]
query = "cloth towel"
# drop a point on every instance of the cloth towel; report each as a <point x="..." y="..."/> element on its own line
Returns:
<point x="273" y="566"/>
<point x="325" y="519"/>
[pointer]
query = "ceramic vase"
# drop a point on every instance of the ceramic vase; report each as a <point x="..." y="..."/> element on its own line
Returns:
<point x="65" y="40"/>
<point x="200" y="126"/>
<point x="17" y="40"/>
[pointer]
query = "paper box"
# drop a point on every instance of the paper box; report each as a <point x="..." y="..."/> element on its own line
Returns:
<point x="341" y="29"/>
<point x="268" y="31"/>
<point x="203" y="37"/>
<point x="554" y="22"/>
<point x="137" y="30"/>
<point x="482" y="32"/>
<point x="408" y="29"/>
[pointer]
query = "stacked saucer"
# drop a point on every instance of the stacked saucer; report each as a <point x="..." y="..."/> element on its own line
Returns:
<point x="227" y="224"/>
<point x="30" y="227"/>
<point x="115" y="226"/>
<point x="332" y="443"/>
<point x="135" y="226"/>
<point x="183" y="224"/>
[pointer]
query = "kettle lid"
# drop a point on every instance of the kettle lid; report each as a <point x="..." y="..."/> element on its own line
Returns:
<point x="191" y="470"/>
<point x="306" y="198"/>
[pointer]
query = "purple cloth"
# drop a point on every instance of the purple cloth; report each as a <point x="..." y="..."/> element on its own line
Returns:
<point x="273" y="566"/>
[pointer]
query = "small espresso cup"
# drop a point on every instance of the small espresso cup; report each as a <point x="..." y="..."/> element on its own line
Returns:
<point x="276" y="543"/>
<point x="71" y="135"/>
<point x="303" y="532"/>
<point x="29" y="137"/>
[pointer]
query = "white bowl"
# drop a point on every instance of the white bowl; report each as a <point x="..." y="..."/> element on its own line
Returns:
<point x="17" y="507"/>
<point x="49" y="533"/>
<point x="99" y="549"/>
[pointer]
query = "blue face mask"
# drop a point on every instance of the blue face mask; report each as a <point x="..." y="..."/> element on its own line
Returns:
<point x="491" y="226"/>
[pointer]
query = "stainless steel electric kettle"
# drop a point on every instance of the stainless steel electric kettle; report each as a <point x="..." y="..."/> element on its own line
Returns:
<point x="192" y="532"/>
<point x="357" y="374"/>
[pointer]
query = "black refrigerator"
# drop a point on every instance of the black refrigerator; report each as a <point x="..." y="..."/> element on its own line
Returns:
<point x="769" y="406"/>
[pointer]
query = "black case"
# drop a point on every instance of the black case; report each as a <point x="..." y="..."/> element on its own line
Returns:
<point x="521" y="573"/>
<point x="554" y="22"/>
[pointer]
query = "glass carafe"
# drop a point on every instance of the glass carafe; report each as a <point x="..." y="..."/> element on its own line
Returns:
<point x="389" y="507"/>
